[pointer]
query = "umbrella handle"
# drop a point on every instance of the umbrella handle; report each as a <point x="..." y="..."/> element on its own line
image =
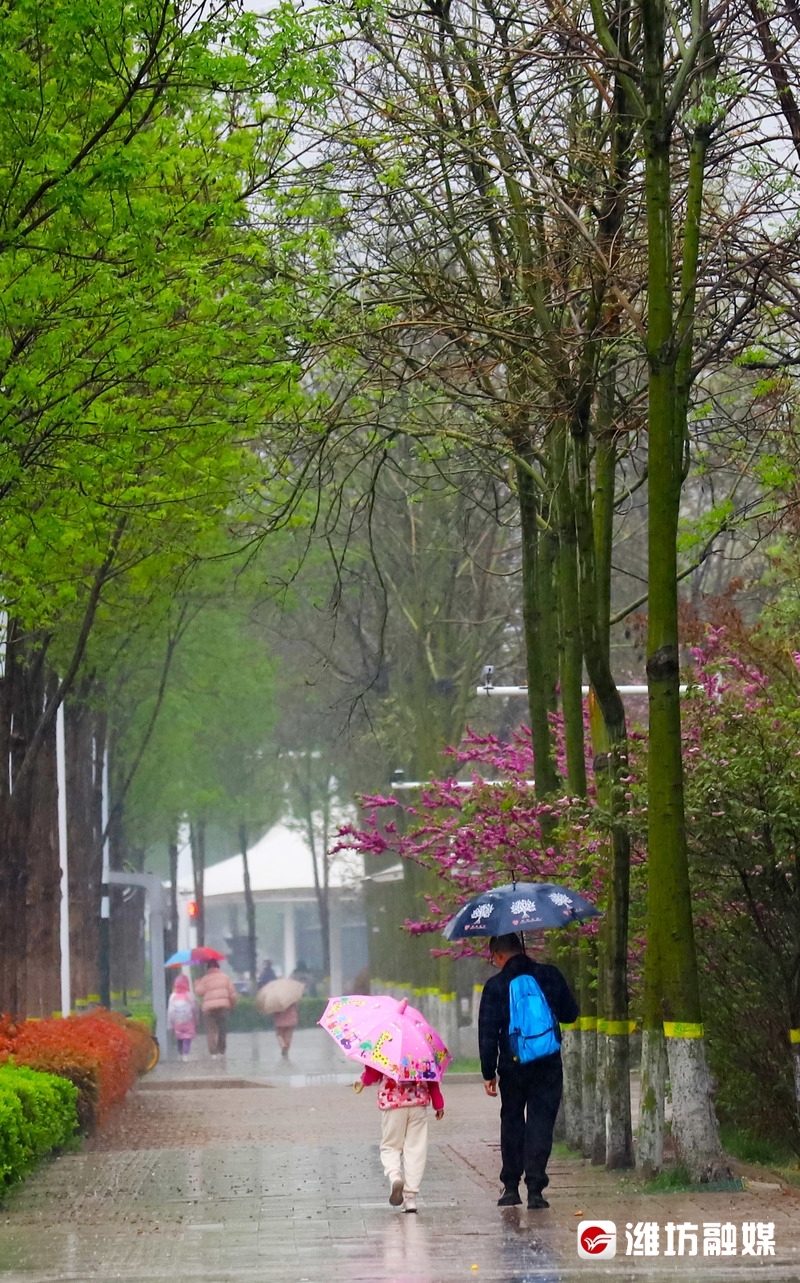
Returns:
<point x="358" y="1086"/>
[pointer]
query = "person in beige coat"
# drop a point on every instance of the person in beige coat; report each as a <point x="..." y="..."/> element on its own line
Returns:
<point x="218" y="995"/>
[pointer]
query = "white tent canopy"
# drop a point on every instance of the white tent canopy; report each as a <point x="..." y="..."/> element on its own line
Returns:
<point x="281" y="860"/>
<point x="282" y="872"/>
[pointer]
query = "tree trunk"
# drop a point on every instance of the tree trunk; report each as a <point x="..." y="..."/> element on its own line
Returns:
<point x="13" y="833"/>
<point x="43" y="883"/>
<point x="619" y="1131"/>
<point x="573" y="1087"/>
<point x="650" y="1144"/>
<point x="197" y="841"/>
<point x="84" y="823"/>
<point x="587" y="955"/>
<point x="29" y="876"/>
<point x="570" y="647"/>
<point x="250" y="912"/>
<point x="650" y="1135"/>
<point x="695" y="1129"/>
<point x="794" y="1039"/>
<point x="566" y="956"/>
<point x="535" y="575"/>
<point x="598" y="1147"/>
<point x="669" y="897"/>
<point x="615" y="1025"/>
<point x="609" y="735"/>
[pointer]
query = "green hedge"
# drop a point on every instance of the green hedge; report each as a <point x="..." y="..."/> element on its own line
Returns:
<point x="38" y="1113"/>
<point x="244" y="1018"/>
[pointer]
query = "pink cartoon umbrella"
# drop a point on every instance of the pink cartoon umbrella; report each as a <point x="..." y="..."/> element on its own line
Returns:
<point x="387" y="1035"/>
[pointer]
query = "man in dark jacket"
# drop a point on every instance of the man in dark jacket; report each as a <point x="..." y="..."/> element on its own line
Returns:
<point x="530" y="1094"/>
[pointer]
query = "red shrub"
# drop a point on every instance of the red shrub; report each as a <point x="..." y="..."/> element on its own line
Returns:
<point x="101" y="1052"/>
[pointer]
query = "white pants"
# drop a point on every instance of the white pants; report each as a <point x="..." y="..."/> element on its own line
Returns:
<point x="404" y="1145"/>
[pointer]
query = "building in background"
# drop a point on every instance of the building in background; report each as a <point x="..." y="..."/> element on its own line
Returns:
<point x="287" y="916"/>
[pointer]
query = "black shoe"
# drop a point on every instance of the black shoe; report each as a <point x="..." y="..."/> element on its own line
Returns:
<point x="535" y="1201"/>
<point x="509" y="1197"/>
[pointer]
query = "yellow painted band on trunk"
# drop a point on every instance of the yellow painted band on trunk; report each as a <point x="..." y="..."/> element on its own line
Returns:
<point x="794" y="1035"/>
<point x="682" y="1029"/>
<point x="565" y="1029"/>
<point x="588" y="1023"/>
<point x="616" y="1028"/>
<point x="93" y="997"/>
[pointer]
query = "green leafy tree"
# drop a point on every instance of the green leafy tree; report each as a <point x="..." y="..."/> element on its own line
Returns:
<point x="741" y="749"/>
<point x="151" y="322"/>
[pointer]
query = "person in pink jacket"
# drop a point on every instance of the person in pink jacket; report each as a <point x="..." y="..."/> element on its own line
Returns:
<point x="219" y="997"/>
<point x="182" y="1015"/>
<point x="404" y="1132"/>
<point x="285" y="1023"/>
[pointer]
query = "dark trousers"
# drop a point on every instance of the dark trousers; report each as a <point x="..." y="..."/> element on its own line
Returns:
<point x="529" y="1096"/>
<point x="216" y="1030"/>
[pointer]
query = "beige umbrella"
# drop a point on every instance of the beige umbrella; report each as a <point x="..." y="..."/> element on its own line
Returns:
<point x="278" y="995"/>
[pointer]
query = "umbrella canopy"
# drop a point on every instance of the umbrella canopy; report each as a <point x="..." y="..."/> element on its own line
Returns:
<point x="524" y="906"/>
<point x="194" y="957"/>
<point x="387" y="1035"/>
<point x="279" y="994"/>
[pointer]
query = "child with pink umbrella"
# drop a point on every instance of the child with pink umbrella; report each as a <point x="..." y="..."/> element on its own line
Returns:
<point x="405" y="1055"/>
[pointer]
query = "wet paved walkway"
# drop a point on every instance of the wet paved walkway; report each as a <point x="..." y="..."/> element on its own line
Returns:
<point x="282" y="1183"/>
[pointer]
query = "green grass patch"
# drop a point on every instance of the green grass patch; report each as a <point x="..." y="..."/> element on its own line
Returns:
<point x="562" y="1150"/>
<point x="464" y="1065"/>
<point x="757" y="1149"/>
<point x="674" y="1180"/>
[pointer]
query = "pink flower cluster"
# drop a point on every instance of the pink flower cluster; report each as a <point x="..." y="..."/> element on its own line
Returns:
<point x="492" y="832"/>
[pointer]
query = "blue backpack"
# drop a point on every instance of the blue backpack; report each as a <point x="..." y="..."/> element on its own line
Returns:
<point x="533" y="1030"/>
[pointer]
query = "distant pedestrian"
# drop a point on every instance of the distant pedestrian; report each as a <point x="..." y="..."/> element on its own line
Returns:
<point x="404" y="1132"/>
<point x="182" y="1015"/>
<point x="285" y="1023"/>
<point x="267" y="974"/>
<point x="530" y="1092"/>
<point x="306" y="977"/>
<point x="219" y="998"/>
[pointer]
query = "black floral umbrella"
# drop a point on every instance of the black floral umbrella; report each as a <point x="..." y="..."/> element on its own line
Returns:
<point x="523" y="906"/>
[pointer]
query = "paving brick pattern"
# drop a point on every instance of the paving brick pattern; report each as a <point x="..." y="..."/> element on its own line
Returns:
<point x="283" y="1185"/>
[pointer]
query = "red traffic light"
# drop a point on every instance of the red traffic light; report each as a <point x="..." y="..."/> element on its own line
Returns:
<point x="191" y="908"/>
